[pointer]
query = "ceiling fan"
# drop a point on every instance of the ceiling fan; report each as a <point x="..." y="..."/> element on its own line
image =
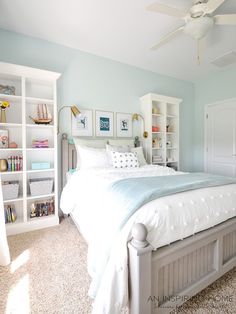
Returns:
<point x="198" y="20"/>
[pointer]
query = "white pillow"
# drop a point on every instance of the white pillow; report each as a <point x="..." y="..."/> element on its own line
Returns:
<point x="115" y="148"/>
<point x="124" y="160"/>
<point x="87" y="143"/>
<point x="141" y="158"/>
<point x="92" y="157"/>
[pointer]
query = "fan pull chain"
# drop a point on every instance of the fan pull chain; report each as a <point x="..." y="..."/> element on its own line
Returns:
<point x="198" y="52"/>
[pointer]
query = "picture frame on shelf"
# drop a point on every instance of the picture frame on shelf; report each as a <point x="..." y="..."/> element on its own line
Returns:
<point x="82" y="125"/>
<point x="104" y="123"/>
<point x="124" y="126"/>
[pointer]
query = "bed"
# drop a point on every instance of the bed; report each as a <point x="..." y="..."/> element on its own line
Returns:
<point x="167" y="251"/>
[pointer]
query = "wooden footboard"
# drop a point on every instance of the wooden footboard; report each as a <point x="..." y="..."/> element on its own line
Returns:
<point x="164" y="279"/>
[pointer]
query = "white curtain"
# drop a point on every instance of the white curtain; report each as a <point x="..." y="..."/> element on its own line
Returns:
<point x="4" y="250"/>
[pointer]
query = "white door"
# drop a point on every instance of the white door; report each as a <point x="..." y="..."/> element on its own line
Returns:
<point x="221" y="138"/>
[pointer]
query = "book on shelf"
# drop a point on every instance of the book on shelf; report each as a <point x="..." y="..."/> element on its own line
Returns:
<point x="156" y="159"/>
<point x="10" y="214"/>
<point x="40" y="144"/>
<point x="42" y="208"/>
<point x="15" y="163"/>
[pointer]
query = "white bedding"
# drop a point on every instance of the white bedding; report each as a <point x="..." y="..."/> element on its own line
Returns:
<point x="168" y="219"/>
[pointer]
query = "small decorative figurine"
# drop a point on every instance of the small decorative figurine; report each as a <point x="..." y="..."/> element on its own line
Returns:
<point x="136" y="141"/>
<point x="13" y="145"/>
<point x="156" y="142"/>
<point x="43" y="115"/>
<point x="33" y="211"/>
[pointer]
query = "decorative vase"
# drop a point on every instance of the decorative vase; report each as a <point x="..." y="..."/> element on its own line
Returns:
<point x="3" y="116"/>
<point x="3" y="165"/>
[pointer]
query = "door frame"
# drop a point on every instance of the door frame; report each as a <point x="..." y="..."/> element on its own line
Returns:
<point x="205" y="125"/>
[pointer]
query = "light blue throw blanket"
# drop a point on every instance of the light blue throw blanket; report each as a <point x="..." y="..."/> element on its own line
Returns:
<point x="132" y="193"/>
<point x="124" y="197"/>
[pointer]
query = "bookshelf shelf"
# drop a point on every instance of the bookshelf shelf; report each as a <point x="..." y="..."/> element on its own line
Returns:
<point x="42" y="218"/>
<point x="10" y="149"/>
<point x="157" y="132"/>
<point x="11" y="97"/>
<point x="41" y="170"/>
<point x="39" y="100"/>
<point x="11" y="172"/>
<point x="40" y="149"/>
<point x="33" y="87"/>
<point x="13" y="225"/>
<point x="19" y="199"/>
<point x="11" y="125"/>
<point x="157" y="115"/>
<point x="38" y="197"/>
<point x="44" y="126"/>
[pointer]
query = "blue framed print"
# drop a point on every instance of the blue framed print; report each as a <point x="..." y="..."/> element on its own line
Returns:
<point x="104" y="123"/>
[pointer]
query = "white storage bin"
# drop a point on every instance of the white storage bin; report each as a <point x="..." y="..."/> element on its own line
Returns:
<point x="10" y="190"/>
<point x="41" y="186"/>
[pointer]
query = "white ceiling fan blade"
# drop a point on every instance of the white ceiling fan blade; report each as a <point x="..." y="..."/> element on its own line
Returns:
<point x="164" y="9"/>
<point x="212" y="5"/>
<point x="168" y="38"/>
<point x="227" y="19"/>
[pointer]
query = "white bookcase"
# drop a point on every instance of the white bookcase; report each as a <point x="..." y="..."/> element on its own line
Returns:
<point x="32" y="87"/>
<point x="161" y="115"/>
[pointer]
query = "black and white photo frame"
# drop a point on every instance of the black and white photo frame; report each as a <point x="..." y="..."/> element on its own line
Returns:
<point x="83" y="125"/>
<point x="124" y="126"/>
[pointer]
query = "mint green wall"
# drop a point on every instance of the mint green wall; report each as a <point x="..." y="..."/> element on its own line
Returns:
<point x="207" y="91"/>
<point x="98" y="83"/>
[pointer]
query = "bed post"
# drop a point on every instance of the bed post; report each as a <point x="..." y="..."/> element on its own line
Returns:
<point x="64" y="158"/>
<point x="140" y="253"/>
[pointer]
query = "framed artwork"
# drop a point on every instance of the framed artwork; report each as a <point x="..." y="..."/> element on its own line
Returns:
<point x="124" y="126"/>
<point x="104" y="123"/>
<point x="83" y="125"/>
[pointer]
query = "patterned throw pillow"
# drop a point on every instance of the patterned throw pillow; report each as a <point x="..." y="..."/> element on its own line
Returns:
<point x="116" y="148"/>
<point x="124" y="160"/>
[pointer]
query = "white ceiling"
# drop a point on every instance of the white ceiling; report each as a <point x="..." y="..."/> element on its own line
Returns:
<point x="121" y="30"/>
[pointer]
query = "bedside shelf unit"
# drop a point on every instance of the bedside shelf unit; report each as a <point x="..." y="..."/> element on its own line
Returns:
<point x="32" y="87"/>
<point x="162" y="146"/>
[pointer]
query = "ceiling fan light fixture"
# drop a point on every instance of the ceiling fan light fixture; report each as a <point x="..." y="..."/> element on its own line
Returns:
<point x="199" y="27"/>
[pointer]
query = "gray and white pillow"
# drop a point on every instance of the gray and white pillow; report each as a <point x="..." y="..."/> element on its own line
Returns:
<point x="141" y="158"/>
<point x="124" y="160"/>
<point x="116" y="148"/>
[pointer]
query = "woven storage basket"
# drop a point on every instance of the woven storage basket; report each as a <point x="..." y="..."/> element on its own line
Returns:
<point x="11" y="190"/>
<point x="41" y="186"/>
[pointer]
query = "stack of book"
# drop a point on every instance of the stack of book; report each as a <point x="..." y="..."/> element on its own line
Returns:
<point x="42" y="208"/>
<point x="157" y="159"/>
<point x="15" y="163"/>
<point x="10" y="214"/>
<point x="40" y="144"/>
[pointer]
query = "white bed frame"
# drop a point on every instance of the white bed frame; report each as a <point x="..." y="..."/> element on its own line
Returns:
<point x="161" y="280"/>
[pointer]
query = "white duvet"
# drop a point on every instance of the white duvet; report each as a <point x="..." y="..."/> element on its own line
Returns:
<point x="168" y="219"/>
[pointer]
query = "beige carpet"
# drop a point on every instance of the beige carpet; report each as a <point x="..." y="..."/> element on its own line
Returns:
<point x="48" y="275"/>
